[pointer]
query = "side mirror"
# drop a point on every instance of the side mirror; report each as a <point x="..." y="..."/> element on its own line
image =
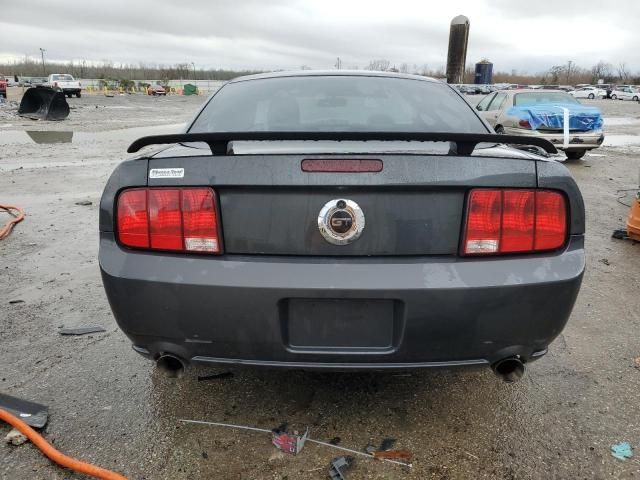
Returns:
<point x="478" y="107"/>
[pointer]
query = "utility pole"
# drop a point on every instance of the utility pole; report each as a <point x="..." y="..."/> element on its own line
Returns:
<point x="194" y="71"/>
<point x="42" y="50"/>
<point x="569" y="71"/>
<point x="339" y="63"/>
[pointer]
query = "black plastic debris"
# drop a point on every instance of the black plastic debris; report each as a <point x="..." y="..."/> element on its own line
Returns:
<point x="13" y="302"/>
<point x="339" y="466"/>
<point x="335" y="440"/>
<point x="620" y="234"/>
<point x="387" y="444"/>
<point x="84" y="203"/>
<point x="215" y="376"/>
<point x="81" y="330"/>
<point x="31" y="413"/>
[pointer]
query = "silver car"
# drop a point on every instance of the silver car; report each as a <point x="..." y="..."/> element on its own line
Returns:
<point x="495" y="109"/>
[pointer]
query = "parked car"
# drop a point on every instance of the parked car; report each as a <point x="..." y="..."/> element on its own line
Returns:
<point x="156" y="90"/>
<point x="3" y="86"/>
<point x="497" y="110"/>
<point x="261" y="256"/>
<point x="588" y="92"/>
<point x="625" y="93"/>
<point x="65" y="83"/>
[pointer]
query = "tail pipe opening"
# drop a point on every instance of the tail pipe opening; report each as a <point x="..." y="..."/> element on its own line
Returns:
<point x="509" y="369"/>
<point x="171" y="365"/>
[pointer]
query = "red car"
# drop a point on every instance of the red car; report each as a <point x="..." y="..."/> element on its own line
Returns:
<point x="3" y="86"/>
<point x="156" y="90"/>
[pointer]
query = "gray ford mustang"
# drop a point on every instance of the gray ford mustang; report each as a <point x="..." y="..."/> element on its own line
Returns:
<point x="341" y="220"/>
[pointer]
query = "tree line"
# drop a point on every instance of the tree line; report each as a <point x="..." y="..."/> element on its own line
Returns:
<point x="107" y="69"/>
<point x="567" y="74"/>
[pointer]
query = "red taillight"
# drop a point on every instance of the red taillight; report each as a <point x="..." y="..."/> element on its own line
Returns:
<point x="173" y="219"/>
<point x="165" y="219"/>
<point x="524" y="124"/>
<point x="551" y="221"/>
<point x="511" y="221"/>
<point x="199" y="221"/>
<point x="133" y="219"/>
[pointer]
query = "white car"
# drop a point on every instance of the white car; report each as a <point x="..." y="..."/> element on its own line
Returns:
<point x="626" y="93"/>
<point x="588" y="92"/>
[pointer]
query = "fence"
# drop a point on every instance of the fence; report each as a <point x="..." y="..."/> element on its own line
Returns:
<point x="205" y="87"/>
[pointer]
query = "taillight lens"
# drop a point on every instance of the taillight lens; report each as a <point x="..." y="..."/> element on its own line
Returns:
<point x="172" y="219"/>
<point x="503" y="221"/>
<point x="133" y="219"/>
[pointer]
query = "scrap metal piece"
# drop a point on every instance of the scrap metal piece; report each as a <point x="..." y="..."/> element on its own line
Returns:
<point x="31" y="413"/>
<point x="44" y="103"/>
<point x="288" y="442"/>
<point x="339" y="466"/>
<point x="81" y="330"/>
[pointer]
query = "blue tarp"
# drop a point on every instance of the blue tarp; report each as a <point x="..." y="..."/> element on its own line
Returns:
<point x="581" y="117"/>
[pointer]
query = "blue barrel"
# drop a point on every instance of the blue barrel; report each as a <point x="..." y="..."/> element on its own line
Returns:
<point x="484" y="73"/>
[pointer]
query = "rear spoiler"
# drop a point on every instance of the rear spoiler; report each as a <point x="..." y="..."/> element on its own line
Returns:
<point x="465" y="142"/>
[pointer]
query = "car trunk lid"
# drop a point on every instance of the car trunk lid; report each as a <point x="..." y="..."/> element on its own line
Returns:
<point x="413" y="206"/>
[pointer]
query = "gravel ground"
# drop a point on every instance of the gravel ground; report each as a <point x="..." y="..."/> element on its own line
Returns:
<point x="109" y="406"/>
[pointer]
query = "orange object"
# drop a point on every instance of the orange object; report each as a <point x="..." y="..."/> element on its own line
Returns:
<point x="393" y="455"/>
<point x="18" y="216"/>
<point x="633" y="222"/>
<point x="55" y="455"/>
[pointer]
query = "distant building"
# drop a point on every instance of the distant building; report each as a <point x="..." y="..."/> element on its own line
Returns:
<point x="457" y="54"/>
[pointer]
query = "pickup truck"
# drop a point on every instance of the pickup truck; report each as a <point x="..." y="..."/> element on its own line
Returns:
<point x="3" y="86"/>
<point x="65" y="83"/>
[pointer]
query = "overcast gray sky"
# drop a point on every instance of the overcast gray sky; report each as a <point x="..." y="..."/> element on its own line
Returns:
<point x="528" y="36"/>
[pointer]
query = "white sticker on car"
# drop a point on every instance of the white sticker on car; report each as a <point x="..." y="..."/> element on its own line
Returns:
<point x="166" y="173"/>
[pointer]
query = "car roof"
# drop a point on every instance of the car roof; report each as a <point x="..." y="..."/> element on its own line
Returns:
<point x="535" y="90"/>
<point x="332" y="73"/>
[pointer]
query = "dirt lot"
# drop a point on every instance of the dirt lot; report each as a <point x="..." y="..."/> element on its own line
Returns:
<point x="109" y="406"/>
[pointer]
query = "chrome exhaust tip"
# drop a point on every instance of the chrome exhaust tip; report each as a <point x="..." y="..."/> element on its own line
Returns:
<point x="171" y="365"/>
<point x="509" y="369"/>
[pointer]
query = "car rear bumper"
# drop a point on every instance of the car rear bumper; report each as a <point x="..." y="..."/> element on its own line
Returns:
<point x="577" y="141"/>
<point x="443" y="311"/>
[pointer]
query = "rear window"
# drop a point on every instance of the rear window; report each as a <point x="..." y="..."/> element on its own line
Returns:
<point x="534" y="98"/>
<point x="62" y="78"/>
<point x="337" y="103"/>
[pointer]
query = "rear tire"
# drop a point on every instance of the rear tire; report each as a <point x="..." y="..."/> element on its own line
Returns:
<point x="635" y="99"/>
<point x="69" y="95"/>
<point x="614" y="97"/>
<point x="591" y="96"/>
<point x="575" y="154"/>
<point x="78" y="94"/>
<point x="500" y="130"/>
